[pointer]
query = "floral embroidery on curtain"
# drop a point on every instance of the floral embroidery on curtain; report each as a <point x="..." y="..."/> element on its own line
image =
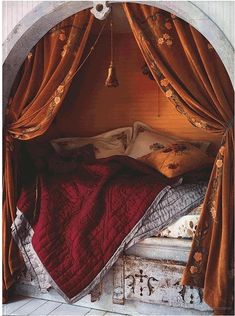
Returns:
<point x="45" y="78"/>
<point x="171" y="94"/>
<point x="211" y="204"/>
<point x="56" y="100"/>
<point x="199" y="256"/>
<point x="193" y="78"/>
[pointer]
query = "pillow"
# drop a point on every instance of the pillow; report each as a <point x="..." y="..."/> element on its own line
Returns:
<point x="45" y="158"/>
<point x="68" y="161"/>
<point x="177" y="159"/>
<point x="56" y="164"/>
<point x="146" y="139"/>
<point x="111" y="143"/>
<point x="39" y="152"/>
<point x="200" y="174"/>
<point x="184" y="227"/>
<point x="200" y="145"/>
<point x="85" y="153"/>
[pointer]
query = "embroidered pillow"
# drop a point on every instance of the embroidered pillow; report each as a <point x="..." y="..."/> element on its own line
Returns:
<point x="111" y="143"/>
<point x="200" y="174"/>
<point x="56" y="164"/>
<point x="69" y="160"/>
<point x="184" y="227"/>
<point x="177" y="159"/>
<point x="145" y="140"/>
<point x="39" y="153"/>
<point x="204" y="146"/>
<point x="85" y="153"/>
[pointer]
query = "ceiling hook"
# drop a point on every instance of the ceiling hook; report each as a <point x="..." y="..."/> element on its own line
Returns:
<point x="100" y="9"/>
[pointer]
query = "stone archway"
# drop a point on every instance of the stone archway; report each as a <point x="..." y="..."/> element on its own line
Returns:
<point x="47" y="14"/>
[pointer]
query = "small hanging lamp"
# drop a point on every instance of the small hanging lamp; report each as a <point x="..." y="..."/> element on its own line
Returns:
<point x="111" y="81"/>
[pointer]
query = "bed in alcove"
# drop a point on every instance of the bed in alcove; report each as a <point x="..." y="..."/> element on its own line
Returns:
<point x="138" y="121"/>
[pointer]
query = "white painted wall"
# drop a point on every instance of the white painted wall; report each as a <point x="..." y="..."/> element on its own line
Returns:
<point x="13" y="12"/>
<point x="221" y="12"/>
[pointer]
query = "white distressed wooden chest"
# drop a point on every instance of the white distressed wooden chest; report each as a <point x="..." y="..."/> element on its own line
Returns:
<point x="144" y="281"/>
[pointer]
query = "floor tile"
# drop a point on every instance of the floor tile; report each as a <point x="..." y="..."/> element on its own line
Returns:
<point x="113" y="314"/>
<point x="67" y="310"/>
<point x="46" y="308"/>
<point x="23" y="306"/>
<point x="18" y="302"/>
<point x="29" y="307"/>
<point x="95" y="312"/>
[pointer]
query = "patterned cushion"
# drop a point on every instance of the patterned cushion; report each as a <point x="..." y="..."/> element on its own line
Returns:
<point x="184" y="227"/>
<point x="146" y="139"/>
<point x="68" y="161"/>
<point x="177" y="202"/>
<point x="39" y="153"/>
<point x="204" y="146"/>
<point x="85" y="153"/>
<point x="176" y="159"/>
<point x="200" y="174"/>
<point x="111" y="143"/>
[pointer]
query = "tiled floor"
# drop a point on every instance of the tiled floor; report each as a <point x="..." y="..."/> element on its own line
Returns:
<point x="23" y="306"/>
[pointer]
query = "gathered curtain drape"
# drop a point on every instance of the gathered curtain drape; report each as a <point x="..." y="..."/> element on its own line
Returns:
<point x="190" y="73"/>
<point x="44" y="81"/>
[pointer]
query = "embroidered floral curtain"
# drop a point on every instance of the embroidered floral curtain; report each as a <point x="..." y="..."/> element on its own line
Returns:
<point x="192" y="76"/>
<point x="45" y="79"/>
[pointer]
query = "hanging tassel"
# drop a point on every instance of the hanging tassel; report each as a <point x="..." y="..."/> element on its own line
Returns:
<point x="111" y="81"/>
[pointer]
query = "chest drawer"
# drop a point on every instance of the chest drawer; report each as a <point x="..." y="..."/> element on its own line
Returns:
<point x="154" y="281"/>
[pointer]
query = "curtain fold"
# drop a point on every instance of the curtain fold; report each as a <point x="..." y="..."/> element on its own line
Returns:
<point x="45" y="79"/>
<point x="191" y="74"/>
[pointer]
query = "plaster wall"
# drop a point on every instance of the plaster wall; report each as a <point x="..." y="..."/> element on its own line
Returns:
<point x="46" y="14"/>
<point x="221" y="12"/>
<point x="13" y="12"/>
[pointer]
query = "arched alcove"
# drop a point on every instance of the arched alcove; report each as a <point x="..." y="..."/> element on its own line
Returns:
<point x="47" y="14"/>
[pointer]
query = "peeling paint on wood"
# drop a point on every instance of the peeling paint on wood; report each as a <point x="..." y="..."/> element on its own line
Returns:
<point x="155" y="281"/>
<point x="118" y="282"/>
<point x="96" y="292"/>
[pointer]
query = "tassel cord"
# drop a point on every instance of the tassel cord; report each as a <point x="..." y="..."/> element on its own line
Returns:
<point x="111" y="36"/>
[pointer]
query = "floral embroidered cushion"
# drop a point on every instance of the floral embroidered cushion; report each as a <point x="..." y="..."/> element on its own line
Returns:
<point x="114" y="142"/>
<point x="177" y="159"/>
<point x="39" y="153"/>
<point x="85" y="153"/>
<point x="146" y="139"/>
<point x="200" y="174"/>
<point x="184" y="227"/>
<point x="204" y="146"/>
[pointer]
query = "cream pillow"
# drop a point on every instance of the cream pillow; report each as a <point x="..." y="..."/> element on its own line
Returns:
<point x="114" y="142"/>
<point x="203" y="145"/>
<point x="177" y="159"/>
<point x="146" y="139"/>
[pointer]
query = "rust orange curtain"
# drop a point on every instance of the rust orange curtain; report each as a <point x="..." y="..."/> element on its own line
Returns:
<point x="45" y="79"/>
<point x="192" y="76"/>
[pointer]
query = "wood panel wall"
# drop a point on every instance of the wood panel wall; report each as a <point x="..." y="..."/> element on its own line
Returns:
<point x="91" y="108"/>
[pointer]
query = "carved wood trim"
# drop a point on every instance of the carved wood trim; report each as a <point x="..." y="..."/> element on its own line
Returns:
<point x="96" y="292"/>
<point x="154" y="281"/>
<point x="119" y="282"/>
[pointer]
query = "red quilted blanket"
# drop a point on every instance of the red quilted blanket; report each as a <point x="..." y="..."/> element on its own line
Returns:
<point x="84" y="217"/>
